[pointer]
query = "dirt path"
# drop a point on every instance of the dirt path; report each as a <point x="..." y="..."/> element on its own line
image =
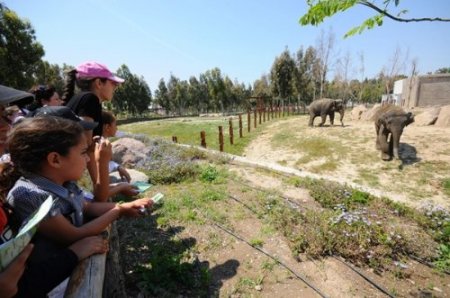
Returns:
<point x="415" y="180"/>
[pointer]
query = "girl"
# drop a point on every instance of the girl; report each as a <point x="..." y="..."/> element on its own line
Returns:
<point x="35" y="279"/>
<point x="49" y="154"/>
<point x="97" y="84"/>
<point x="44" y="95"/>
<point x="110" y="130"/>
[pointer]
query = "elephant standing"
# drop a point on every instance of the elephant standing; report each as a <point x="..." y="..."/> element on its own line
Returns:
<point x="324" y="107"/>
<point x="390" y="121"/>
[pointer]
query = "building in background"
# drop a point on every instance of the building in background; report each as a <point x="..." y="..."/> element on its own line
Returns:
<point x="422" y="91"/>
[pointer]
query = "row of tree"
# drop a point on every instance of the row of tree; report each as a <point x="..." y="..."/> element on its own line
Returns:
<point x="300" y="76"/>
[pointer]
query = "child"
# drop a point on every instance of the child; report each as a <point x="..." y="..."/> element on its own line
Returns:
<point x="110" y="130"/>
<point x="97" y="84"/>
<point x="44" y="95"/>
<point x="26" y="280"/>
<point x="49" y="155"/>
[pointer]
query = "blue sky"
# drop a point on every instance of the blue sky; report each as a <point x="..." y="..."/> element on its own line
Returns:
<point x="187" y="37"/>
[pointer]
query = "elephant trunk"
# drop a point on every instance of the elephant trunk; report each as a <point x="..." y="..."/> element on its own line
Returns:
<point x="396" y="142"/>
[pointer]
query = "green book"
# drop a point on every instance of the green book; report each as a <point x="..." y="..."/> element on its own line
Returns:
<point x="11" y="249"/>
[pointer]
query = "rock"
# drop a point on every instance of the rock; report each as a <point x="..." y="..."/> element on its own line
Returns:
<point x="135" y="176"/>
<point x="427" y="117"/>
<point x="357" y="112"/>
<point x="129" y="152"/>
<point x="368" y="115"/>
<point x="258" y="287"/>
<point x="444" y="117"/>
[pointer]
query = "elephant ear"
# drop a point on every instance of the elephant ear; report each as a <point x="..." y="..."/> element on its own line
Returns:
<point x="409" y="118"/>
<point x="384" y="120"/>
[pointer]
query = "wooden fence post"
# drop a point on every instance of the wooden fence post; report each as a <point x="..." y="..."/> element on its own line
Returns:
<point x="260" y="112"/>
<point x="254" y="118"/>
<point x="230" y="122"/>
<point x="248" y="121"/>
<point x="220" y="139"/>
<point x="174" y="139"/>
<point x="264" y="115"/>
<point x="240" y="126"/>
<point x="203" y="139"/>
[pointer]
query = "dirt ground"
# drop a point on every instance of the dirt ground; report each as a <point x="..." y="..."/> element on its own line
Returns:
<point x="416" y="179"/>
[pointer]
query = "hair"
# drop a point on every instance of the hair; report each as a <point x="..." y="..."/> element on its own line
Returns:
<point x="108" y="117"/>
<point x="32" y="140"/>
<point x="72" y="80"/>
<point x="41" y="92"/>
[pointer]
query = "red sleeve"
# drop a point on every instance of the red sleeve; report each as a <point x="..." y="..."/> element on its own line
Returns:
<point x="3" y="219"/>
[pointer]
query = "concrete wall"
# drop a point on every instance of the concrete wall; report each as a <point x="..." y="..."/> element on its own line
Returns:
<point x="429" y="90"/>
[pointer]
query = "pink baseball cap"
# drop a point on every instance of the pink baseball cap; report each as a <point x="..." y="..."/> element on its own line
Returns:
<point x="90" y="70"/>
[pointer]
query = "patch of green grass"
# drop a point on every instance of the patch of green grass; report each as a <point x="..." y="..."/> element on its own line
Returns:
<point x="446" y="186"/>
<point x="443" y="262"/>
<point x="327" y="166"/>
<point x="257" y="242"/>
<point x="268" y="265"/>
<point x="369" y="177"/>
<point x="187" y="131"/>
<point x="168" y="272"/>
<point x="209" y="173"/>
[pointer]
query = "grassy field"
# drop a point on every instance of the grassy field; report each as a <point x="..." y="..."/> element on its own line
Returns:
<point x="187" y="131"/>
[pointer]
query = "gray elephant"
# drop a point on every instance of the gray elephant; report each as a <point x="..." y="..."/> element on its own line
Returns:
<point x="390" y="121"/>
<point x="324" y="107"/>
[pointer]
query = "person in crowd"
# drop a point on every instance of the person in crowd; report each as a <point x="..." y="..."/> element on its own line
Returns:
<point x="44" y="95"/>
<point x="19" y="278"/>
<point x="103" y="153"/>
<point x="97" y="84"/>
<point x="109" y="131"/>
<point x="49" y="154"/>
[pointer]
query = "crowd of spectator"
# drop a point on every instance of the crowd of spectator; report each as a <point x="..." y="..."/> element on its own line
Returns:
<point x="46" y="145"/>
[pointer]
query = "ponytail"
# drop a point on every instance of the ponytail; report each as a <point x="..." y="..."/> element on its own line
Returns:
<point x="69" y="85"/>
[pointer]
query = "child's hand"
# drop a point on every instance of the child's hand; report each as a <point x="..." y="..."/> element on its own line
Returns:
<point x="11" y="275"/>
<point x="128" y="189"/>
<point x="124" y="175"/>
<point x="134" y="208"/>
<point x="103" y="149"/>
<point x="89" y="246"/>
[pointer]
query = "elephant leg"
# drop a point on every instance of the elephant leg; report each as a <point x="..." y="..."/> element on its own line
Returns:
<point x="332" y="118"/>
<point x="311" y="120"/>
<point x="382" y="141"/>
<point x="324" y="118"/>
<point x="377" y="142"/>
<point x="341" y="118"/>
<point x="391" y="146"/>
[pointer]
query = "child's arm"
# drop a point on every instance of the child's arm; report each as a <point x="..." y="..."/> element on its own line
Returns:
<point x="60" y="230"/>
<point x="102" y="156"/>
<point x="123" y="188"/>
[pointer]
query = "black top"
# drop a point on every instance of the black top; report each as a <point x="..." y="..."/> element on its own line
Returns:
<point x="88" y="104"/>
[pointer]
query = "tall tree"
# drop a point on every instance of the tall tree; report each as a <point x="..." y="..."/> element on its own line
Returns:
<point x="282" y="75"/>
<point x="216" y="88"/>
<point x="47" y="73"/>
<point x="162" y="97"/>
<point x="391" y="71"/>
<point x="20" y="53"/>
<point x="324" y="50"/>
<point x="304" y="75"/>
<point x="133" y="96"/>
<point x="321" y="9"/>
